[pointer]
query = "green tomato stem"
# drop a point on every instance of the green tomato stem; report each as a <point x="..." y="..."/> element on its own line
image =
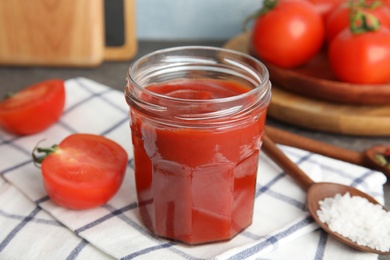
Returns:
<point x="46" y="152"/>
<point x="360" y="20"/>
<point x="9" y="95"/>
<point x="267" y="6"/>
<point x="370" y="5"/>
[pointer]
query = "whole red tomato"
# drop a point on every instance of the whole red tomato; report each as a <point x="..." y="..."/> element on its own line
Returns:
<point x="325" y="7"/>
<point x="361" y="58"/>
<point x="289" y="34"/>
<point x="83" y="171"/>
<point x="339" y="19"/>
<point x="34" y="108"/>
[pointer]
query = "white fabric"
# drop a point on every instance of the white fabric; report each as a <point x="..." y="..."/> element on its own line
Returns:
<point x="33" y="227"/>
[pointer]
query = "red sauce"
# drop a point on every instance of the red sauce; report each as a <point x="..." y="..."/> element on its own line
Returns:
<point x="196" y="185"/>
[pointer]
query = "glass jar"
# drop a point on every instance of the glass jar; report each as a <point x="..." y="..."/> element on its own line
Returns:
<point x="197" y="117"/>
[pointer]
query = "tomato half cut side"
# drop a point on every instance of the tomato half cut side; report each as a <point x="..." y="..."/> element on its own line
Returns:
<point x="34" y="108"/>
<point x="83" y="171"/>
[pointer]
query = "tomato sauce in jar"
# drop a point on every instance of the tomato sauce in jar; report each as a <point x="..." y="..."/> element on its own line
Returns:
<point x="197" y="138"/>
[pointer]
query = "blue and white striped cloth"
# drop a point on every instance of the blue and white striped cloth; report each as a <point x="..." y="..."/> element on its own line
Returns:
<point x="33" y="227"/>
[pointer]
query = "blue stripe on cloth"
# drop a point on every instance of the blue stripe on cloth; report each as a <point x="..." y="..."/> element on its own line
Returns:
<point x="271" y="240"/>
<point x="147" y="250"/>
<point x="129" y="221"/>
<point x="43" y="199"/>
<point x="250" y="235"/>
<point x="115" y="126"/>
<point x="310" y="159"/>
<point x="77" y="250"/>
<point x="304" y="158"/>
<point x="165" y="245"/>
<point x="92" y="89"/>
<point x="11" y="142"/>
<point x="365" y="176"/>
<point x="85" y="100"/>
<point x="66" y="127"/>
<point x="267" y="189"/>
<point x="264" y="188"/>
<point x="130" y="163"/>
<point x="101" y="95"/>
<point x="15" y="167"/>
<point x="321" y="245"/>
<point x="339" y="171"/>
<point x="106" y="217"/>
<point x="4" y="141"/>
<point x="115" y="104"/>
<point x="361" y="180"/>
<point x="35" y="220"/>
<point x="280" y="176"/>
<point x="18" y="228"/>
<point x="183" y="254"/>
<point x="291" y="201"/>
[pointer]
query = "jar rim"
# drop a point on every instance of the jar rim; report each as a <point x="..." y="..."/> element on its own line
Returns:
<point x="262" y="87"/>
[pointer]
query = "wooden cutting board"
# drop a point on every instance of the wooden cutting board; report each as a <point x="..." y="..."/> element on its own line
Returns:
<point x="60" y="33"/>
<point x="315" y="114"/>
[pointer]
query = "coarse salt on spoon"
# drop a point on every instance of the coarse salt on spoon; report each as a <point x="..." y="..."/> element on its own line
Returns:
<point x="370" y="158"/>
<point x="318" y="192"/>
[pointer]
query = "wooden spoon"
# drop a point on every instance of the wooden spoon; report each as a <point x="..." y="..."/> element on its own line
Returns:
<point x="366" y="158"/>
<point x="316" y="192"/>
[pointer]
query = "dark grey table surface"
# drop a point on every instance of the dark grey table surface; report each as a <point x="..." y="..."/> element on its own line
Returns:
<point x="113" y="74"/>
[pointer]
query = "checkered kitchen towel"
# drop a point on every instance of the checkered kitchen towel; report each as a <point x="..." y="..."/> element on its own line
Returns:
<point x="33" y="227"/>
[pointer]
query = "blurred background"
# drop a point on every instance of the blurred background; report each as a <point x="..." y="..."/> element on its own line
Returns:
<point x="191" y="19"/>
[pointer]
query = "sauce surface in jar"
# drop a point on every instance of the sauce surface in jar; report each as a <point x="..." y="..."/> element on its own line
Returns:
<point x="197" y="184"/>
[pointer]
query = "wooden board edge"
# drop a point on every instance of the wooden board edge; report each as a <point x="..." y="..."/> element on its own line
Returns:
<point x="305" y="113"/>
<point x="130" y="46"/>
